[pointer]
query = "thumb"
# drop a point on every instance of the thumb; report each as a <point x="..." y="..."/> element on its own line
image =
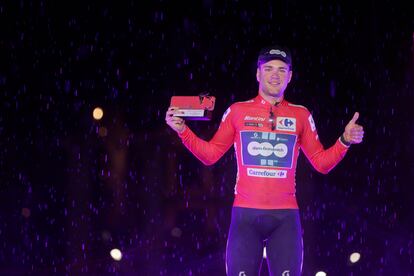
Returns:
<point x="355" y="118"/>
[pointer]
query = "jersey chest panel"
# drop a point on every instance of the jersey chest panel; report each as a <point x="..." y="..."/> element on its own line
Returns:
<point x="262" y="147"/>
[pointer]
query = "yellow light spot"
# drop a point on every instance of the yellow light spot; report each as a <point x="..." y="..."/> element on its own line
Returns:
<point x="97" y="113"/>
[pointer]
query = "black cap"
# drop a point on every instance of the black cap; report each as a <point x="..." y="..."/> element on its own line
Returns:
<point x="274" y="52"/>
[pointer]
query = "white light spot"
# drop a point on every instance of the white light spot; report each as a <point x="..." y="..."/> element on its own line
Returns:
<point x="355" y="257"/>
<point x="116" y="254"/>
<point x="320" y="273"/>
<point x="264" y="253"/>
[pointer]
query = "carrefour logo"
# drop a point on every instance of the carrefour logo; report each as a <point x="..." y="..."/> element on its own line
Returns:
<point x="266" y="149"/>
<point x="266" y="173"/>
<point x="286" y="123"/>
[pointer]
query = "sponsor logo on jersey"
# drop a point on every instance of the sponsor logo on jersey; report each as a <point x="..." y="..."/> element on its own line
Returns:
<point x="266" y="149"/>
<point x="267" y="173"/>
<point x="225" y="114"/>
<point x="312" y="123"/>
<point x="250" y="118"/>
<point x="286" y="123"/>
<point x="253" y="124"/>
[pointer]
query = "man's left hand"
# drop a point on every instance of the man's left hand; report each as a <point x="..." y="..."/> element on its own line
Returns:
<point x="354" y="133"/>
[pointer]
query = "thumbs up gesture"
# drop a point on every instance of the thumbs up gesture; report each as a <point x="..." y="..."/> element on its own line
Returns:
<point x="354" y="133"/>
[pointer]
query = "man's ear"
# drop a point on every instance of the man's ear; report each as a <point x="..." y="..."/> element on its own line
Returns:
<point x="258" y="74"/>
<point x="290" y="75"/>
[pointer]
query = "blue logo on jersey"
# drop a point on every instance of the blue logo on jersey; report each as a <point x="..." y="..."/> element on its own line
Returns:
<point x="286" y="122"/>
<point x="267" y="149"/>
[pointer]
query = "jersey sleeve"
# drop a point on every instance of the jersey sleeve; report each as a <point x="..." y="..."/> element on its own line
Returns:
<point x="209" y="152"/>
<point x="323" y="160"/>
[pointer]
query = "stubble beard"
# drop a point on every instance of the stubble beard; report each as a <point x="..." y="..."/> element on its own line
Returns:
<point x="275" y="92"/>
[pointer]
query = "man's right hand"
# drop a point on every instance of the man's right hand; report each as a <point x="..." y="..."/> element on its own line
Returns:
<point x="176" y="123"/>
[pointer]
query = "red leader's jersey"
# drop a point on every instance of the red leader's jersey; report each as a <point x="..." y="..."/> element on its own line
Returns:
<point x="266" y="158"/>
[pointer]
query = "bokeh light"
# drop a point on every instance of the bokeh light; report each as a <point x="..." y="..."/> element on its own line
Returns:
<point x="116" y="254"/>
<point x="26" y="212"/>
<point x="97" y="113"/>
<point x="354" y="257"/>
<point x="102" y="131"/>
<point x="176" y="232"/>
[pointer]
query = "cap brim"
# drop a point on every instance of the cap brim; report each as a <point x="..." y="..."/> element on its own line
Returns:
<point x="264" y="59"/>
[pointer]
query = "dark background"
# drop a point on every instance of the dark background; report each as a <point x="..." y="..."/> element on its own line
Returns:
<point x="72" y="188"/>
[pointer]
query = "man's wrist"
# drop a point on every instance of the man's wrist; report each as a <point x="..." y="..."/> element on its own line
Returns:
<point x="182" y="130"/>
<point x="342" y="139"/>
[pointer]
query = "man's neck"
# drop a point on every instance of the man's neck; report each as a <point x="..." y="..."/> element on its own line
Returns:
<point x="272" y="100"/>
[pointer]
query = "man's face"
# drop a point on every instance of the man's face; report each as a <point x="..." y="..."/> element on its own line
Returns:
<point x="273" y="77"/>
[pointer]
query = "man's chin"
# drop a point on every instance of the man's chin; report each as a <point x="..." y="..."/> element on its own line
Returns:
<point x="275" y="93"/>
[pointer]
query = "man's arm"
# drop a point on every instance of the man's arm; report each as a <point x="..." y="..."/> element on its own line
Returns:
<point x="325" y="160"/>
<point x="207" y="152"/>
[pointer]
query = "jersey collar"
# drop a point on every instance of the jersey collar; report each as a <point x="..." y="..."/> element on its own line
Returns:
<point x="260" y="100"/>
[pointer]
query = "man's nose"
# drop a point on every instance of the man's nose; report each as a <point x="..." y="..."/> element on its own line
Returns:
<point x="275" y="73"/>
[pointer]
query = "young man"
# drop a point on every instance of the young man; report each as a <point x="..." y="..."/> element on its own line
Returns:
<point x="267" y="133"/>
